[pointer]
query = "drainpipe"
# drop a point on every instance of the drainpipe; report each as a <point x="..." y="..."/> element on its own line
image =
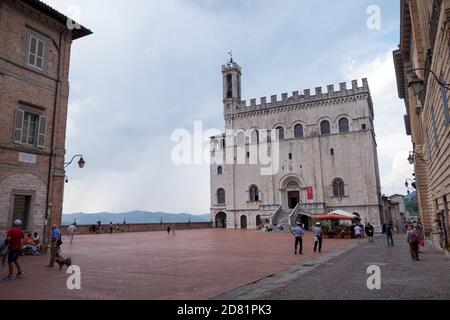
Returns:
<point x="52" y="153"/>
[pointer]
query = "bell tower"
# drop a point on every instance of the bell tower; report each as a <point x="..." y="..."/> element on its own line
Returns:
<point x="231" y="73"/>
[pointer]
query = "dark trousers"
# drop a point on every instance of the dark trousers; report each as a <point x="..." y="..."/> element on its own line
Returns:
<point x="414" y="249"/>
<point x="299" y="242"/>
<point x="390" y="240"/>
<point x="318" y="242"/>
<point x="54" y="253"/>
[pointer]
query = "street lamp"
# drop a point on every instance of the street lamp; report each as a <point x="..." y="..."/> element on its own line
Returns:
<point x="411" y="159"/>
<point x="418" y="85"/>
<point x="81" y="162"/>
<point x="410" y="185"/>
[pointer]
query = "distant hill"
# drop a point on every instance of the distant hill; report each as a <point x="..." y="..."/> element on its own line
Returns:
<point x="132" y="217"/>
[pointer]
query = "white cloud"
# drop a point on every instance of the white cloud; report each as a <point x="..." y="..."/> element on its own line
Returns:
<point x="393" y="143"/>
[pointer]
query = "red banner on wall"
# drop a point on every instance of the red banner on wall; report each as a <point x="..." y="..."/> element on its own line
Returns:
<point x="310" y="193"/>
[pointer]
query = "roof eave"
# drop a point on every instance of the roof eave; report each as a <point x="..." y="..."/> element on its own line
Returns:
<point x="77" y="33"/>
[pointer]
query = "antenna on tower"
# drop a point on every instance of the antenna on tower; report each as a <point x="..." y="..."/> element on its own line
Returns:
<point x="231" y="56"/>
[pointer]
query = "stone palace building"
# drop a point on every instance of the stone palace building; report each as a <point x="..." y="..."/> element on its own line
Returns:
<point x="35" y="45"/>
<point x="282" y="161"/>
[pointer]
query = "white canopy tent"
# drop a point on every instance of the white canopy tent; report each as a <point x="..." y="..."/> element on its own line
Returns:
<point x="344" y="213"/>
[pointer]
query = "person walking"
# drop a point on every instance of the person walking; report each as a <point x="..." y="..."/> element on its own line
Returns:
<point x="15" y="239"/>
<point x="370" y="230"/>
<point x="168" y="231"/>
<point x="55" y="244"/>
<point x="389" y="235"/>
<point x="111" y="227"/>
<point x="358" y="231"/>
<point x="173" y="230"/>
<point x="298" y="233"/>
<point x="413" y="239"/>
<point x="71" y="232"/>
<point x="124" y="225"/>
<point x="318" y="237"/>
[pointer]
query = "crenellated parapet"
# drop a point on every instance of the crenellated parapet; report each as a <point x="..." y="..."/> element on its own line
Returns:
<point x="301" y="98"/>
<point x="230" y="66"/>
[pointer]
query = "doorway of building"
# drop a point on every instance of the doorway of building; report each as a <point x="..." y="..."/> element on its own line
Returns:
<point x="293" y="199"/>
<point x="258" y="221"/>
<point x="243" y="222"/>
<point x="305" y="220"/>
<point x="21" y="209"/>
<point x="221" y="220"/>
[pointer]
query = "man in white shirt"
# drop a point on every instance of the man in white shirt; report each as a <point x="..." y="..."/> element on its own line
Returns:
<point x="318" y="237"/>
<point x="71" y="232"/>
<point x="298" y="233"/>
<point x="358" y="232"/>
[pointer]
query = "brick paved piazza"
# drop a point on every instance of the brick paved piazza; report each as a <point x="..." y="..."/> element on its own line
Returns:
<point x="197" y="264"/>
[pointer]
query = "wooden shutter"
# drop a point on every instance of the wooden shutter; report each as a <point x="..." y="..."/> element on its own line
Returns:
<point x="18" y="126"/>
<point x="42" y="132"/>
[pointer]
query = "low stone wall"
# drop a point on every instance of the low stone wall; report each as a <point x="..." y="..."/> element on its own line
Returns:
<point x="145" y="227"/>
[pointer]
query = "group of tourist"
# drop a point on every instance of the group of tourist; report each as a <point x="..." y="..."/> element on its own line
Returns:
<point x="117" y="228"/>
<point x="298" y="233"/>
<point x="360" y="231"/>
<point x="171" y="230"/>
<point x="17" y="243"/>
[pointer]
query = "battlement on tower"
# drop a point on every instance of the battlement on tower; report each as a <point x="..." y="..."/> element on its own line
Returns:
<point x="230" y="66"/>
<point x="306" y="96"/>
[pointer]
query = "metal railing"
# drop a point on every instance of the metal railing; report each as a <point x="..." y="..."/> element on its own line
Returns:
<point x="294" y="213"/>
<point x="275" y="214"/>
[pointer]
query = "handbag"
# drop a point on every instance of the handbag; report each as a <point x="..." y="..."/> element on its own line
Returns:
<point x="422" y="243"/>
<point x="316" y="238"/>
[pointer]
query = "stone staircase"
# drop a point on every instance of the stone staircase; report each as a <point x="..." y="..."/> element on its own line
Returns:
<point x="282" y="221"/>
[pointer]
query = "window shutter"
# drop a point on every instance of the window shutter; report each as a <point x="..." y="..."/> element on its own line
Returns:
<point x="42" y="132"/>
<point x="18" y="126"/>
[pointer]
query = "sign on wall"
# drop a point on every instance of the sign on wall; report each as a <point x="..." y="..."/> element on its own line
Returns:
<point x="27" y="158"/>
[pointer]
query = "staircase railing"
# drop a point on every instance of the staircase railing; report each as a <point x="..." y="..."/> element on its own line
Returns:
<point x="294" y="213"/>
<point x="274" y="215"/>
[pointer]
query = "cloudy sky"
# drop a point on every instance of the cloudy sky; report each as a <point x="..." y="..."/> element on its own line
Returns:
<point x="155" y="66"/>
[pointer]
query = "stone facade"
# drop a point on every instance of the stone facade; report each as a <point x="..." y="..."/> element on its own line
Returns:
<point x="311" y="171"/>
<point x="424" y="53"/>
<point x="34" y="87"/>
<point x="400" y="199"/>
<point x="392" y="213"/>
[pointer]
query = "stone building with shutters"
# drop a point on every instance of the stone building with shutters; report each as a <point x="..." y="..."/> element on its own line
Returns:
<point x="35" y="44"/>
<point x="285" y="160"/>
<point x="423" y="58"/>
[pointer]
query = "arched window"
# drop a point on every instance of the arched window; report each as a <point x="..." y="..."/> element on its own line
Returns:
<point x="343" y="125"/>
<point x="325" y="127"/>
<point x="298" y="131"/>
<point x="254" y="136"/>
<point x="221" y="196"/>
<point x="338" y="187"/>
<point x="219" y="170"/>
<point x="229" y="86"/>
<point x="254" y="193"/>
<point x="240" y="138"/>
<point x="280" y="133"/>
